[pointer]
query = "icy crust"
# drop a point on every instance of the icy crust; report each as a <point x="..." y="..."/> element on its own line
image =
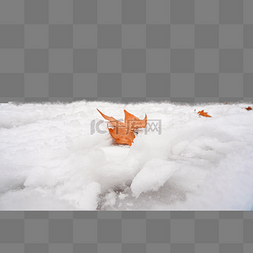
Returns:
<point x="54" y="156"/>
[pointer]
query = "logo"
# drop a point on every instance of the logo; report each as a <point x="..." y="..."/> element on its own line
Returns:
<point x="153" y="125"/>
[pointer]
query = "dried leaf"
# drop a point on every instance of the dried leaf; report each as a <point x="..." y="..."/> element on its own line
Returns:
<point x="202" y="113"/>
<point x="123" y="133"/>
<point x="113" y="121"/>
<point x="248" y="108"/>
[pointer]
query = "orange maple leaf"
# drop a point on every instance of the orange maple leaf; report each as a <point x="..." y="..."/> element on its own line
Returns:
<point x="123" y="133"/>
<point x="202" y="113"/>
<point x="248" y="108"/>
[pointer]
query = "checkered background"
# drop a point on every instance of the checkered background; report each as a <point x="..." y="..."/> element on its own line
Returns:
<point x="126" y="232"/>
<point x="128" y="51"/>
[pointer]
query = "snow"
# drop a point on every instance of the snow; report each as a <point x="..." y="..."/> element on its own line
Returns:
<point x="60" y="156"/>
<point x="153" y="176"/>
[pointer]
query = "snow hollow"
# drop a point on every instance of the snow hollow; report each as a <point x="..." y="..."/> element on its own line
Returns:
<point x="57" y="156"/>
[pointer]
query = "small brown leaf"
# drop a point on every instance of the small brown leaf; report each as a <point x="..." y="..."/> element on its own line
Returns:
<point x="248" y="108"/>
<point x="202" y="113"/>
<point x="123" y="133"/>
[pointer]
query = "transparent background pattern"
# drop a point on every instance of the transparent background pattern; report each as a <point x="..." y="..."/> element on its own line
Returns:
<point x="126" y="50"/>
<point x="126" y="232"/>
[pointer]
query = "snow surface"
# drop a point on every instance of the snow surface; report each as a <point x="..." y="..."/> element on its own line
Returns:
<point x="50" y="158"/>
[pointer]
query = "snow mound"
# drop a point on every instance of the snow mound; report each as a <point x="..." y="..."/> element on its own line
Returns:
<point x="154" y="174"/>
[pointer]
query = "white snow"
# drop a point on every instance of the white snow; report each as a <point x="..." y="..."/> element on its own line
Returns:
<point x="55" y="156"/>
<point x="154" y="174"/>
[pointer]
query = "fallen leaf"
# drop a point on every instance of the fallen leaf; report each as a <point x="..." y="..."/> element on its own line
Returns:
<point x="123" y="133"/>
<point x="202" y="113"/>
<point x="248" y="108"/>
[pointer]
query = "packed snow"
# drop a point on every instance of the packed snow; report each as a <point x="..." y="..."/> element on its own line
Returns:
<point x="60" y="156"/>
